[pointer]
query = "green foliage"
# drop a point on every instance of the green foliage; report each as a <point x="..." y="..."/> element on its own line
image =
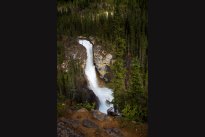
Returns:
<point x="120" y="47"/>
<point x="117" y="83"/>
<point x="132" y="102"/>
<point x="126" y="33"/>
<point x="130" y="112"/>
<point x="60" y="98"/>
<point x="69" y="80"/>
<point x="136" y="92"/>
<point x="86" y="105"/>
<point x="60" y="53"/>
<point x="134" y="112"/>
<point x="136" y="77"/>
<point x="60" y="109"/>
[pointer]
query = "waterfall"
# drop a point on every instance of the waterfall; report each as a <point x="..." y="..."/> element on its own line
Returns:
<point x="104" y="94"/>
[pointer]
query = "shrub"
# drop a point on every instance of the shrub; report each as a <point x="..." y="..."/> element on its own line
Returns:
<point x="60" y="109"/>
<point x="129" y="112"/>
<point x="86" y="105"/>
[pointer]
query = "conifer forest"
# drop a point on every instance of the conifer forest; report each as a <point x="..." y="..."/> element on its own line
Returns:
<point x="102" y="68"/>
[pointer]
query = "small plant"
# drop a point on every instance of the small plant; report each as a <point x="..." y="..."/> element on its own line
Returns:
<point x="86" y="105"/>
<point x="60" y="109"/>
<point x="131" y="112"/>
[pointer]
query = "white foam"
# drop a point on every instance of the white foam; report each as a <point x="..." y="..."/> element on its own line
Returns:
<point x="102" y="93"/>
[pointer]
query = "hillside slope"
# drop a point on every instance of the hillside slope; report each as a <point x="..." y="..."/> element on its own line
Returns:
<point x="84" y="123"/>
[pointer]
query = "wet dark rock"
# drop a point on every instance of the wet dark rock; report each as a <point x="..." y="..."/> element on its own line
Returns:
<point x="109" y="75"/>
<point x="89" y="124"/>
<point x="92" y="98"/>
<point x="84" y="94"/>
<point x="111" y="112"/>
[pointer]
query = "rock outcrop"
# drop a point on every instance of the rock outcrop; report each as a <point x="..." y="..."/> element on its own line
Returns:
<point x="89" y="124"/>
<point x="98" y="115"/>
<point x="66" y="128"/>
<point x="102" y="59"/>
<point x="84" y="123"/>
<point x="114" y="132"/>
<point x="111" y="112"/>
<point x="82" y="110"/>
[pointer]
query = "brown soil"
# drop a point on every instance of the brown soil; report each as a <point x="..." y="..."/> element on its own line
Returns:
<point x="127" y="128"/>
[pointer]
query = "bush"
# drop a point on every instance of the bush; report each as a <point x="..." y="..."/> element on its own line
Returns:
<point x="130" y="112"/>
<point x="133" y="113"/>
<point x="86" y="105"/>
<point x="60" y="109"/>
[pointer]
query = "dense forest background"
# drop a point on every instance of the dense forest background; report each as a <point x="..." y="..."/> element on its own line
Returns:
<point x="122" y="26"/>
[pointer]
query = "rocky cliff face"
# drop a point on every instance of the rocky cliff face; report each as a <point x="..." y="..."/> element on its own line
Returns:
<point x="74" y="51"/>
<point x="102" y="59"/>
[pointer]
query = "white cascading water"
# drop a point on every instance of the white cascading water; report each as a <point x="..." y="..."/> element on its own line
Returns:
<point x="102" y="93"/>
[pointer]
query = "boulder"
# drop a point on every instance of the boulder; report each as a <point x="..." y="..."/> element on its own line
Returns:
<point x="134" y="122"/>
<point x="114" y="132"/>
<point x="82" y="110"/>
<point x="99" y="115"/>
<point x="92" y="39"/>
<point x="111" y="112"/>
<point x="107" y="59"/>
<point x="102" y="61"/>
<point x="89" y="124"/>
<point x="63" y="129"/>
<point x="72" y="123"/>
<point x="109" y="118"/>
